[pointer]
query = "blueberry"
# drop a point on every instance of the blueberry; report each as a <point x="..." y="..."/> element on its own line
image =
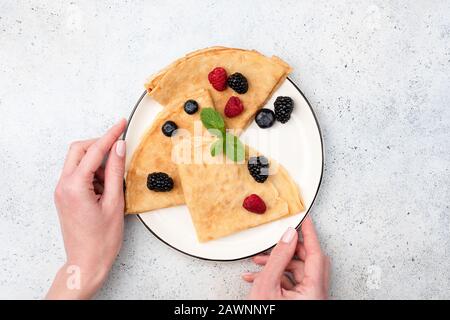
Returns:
<point x="168" y="128"/>
<point x="265" y="118"/>
<point x="191" y="106"/>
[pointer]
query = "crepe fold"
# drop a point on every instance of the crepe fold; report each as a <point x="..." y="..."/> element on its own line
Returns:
<point x="264" y="76"/>
<point x="215" y="189"/>
<point x="154" y="154"/>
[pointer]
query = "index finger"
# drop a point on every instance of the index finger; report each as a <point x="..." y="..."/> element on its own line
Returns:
<point x="280" y="257"/>
<point x="98" y="150"/>
<point x="310" y="240"/>
<point x="76" y="152"/>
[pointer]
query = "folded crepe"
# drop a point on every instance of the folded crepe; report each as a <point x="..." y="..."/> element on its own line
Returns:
<point x="264" y="76"/>
<point x="154" y="154"/>
<point x="215" y="189"/>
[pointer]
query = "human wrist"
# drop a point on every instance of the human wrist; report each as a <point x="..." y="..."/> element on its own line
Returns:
<point x="78" y="280"/>
<point x="90" y="274"/>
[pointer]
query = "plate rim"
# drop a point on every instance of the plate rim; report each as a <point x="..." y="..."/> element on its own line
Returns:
<point x="251" y="255"/>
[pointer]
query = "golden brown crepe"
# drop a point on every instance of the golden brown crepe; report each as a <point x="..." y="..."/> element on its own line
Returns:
<point x="154" y="154"/>
<point x="215" y="189"/>
<point x="264" y="75"/>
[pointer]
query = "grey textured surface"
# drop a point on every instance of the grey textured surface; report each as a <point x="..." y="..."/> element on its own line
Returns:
<point x="376" y="72"/>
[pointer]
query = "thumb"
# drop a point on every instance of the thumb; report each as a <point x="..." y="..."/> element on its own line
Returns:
<point x="114" y="172"/>
<point x="280" y="256"/>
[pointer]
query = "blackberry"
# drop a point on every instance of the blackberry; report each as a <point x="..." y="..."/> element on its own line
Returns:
<point x="159" y="182"/>
<point x="169" y="128"/>
<point x="238" y="83"/>
<point x="283" y="108"/>
<point x="265" y="118"/>
<point x="191" y="106"/>
<point x="258" y="168"/>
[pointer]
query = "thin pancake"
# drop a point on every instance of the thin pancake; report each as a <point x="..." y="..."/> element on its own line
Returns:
<point x="215" y="189"/>
<point x="264" y="75"/>
<point x="154" y="154"/>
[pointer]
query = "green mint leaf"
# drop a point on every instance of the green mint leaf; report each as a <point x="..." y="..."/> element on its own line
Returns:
<point x="217" y="147"/>
<point x="234" y="148"/>
<point x="218" y="133"/>
<point x="212" y="119"/>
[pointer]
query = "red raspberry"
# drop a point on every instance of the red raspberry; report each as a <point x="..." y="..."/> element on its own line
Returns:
<point x="234" y="107"/>
<point x="218" y="78"/>
<point x="254" y="203"/>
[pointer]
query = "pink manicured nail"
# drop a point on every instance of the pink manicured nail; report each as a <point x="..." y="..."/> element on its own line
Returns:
<point x="120" y="148"/>
<point x="288" y="235"/>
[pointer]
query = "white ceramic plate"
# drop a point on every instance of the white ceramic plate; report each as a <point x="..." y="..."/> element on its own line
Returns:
<point x="297" y="145"/>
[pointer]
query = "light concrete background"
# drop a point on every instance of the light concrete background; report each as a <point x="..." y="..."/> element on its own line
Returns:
<point x="376" y="72"/>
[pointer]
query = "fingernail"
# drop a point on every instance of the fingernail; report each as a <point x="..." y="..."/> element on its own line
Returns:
<point x="120" y="122"/>
<point x="246" y="274"/>
<point x="120" y="148"/>
<point x="288" y="235"/>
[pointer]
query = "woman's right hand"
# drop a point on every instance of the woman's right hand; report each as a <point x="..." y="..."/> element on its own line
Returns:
<point x="293" y="270"/>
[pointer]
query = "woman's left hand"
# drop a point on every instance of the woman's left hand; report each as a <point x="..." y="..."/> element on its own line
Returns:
<point x="90" y="204"/>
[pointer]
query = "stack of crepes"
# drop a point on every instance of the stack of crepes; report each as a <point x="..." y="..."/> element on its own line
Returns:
<point x="213" y="189"/>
